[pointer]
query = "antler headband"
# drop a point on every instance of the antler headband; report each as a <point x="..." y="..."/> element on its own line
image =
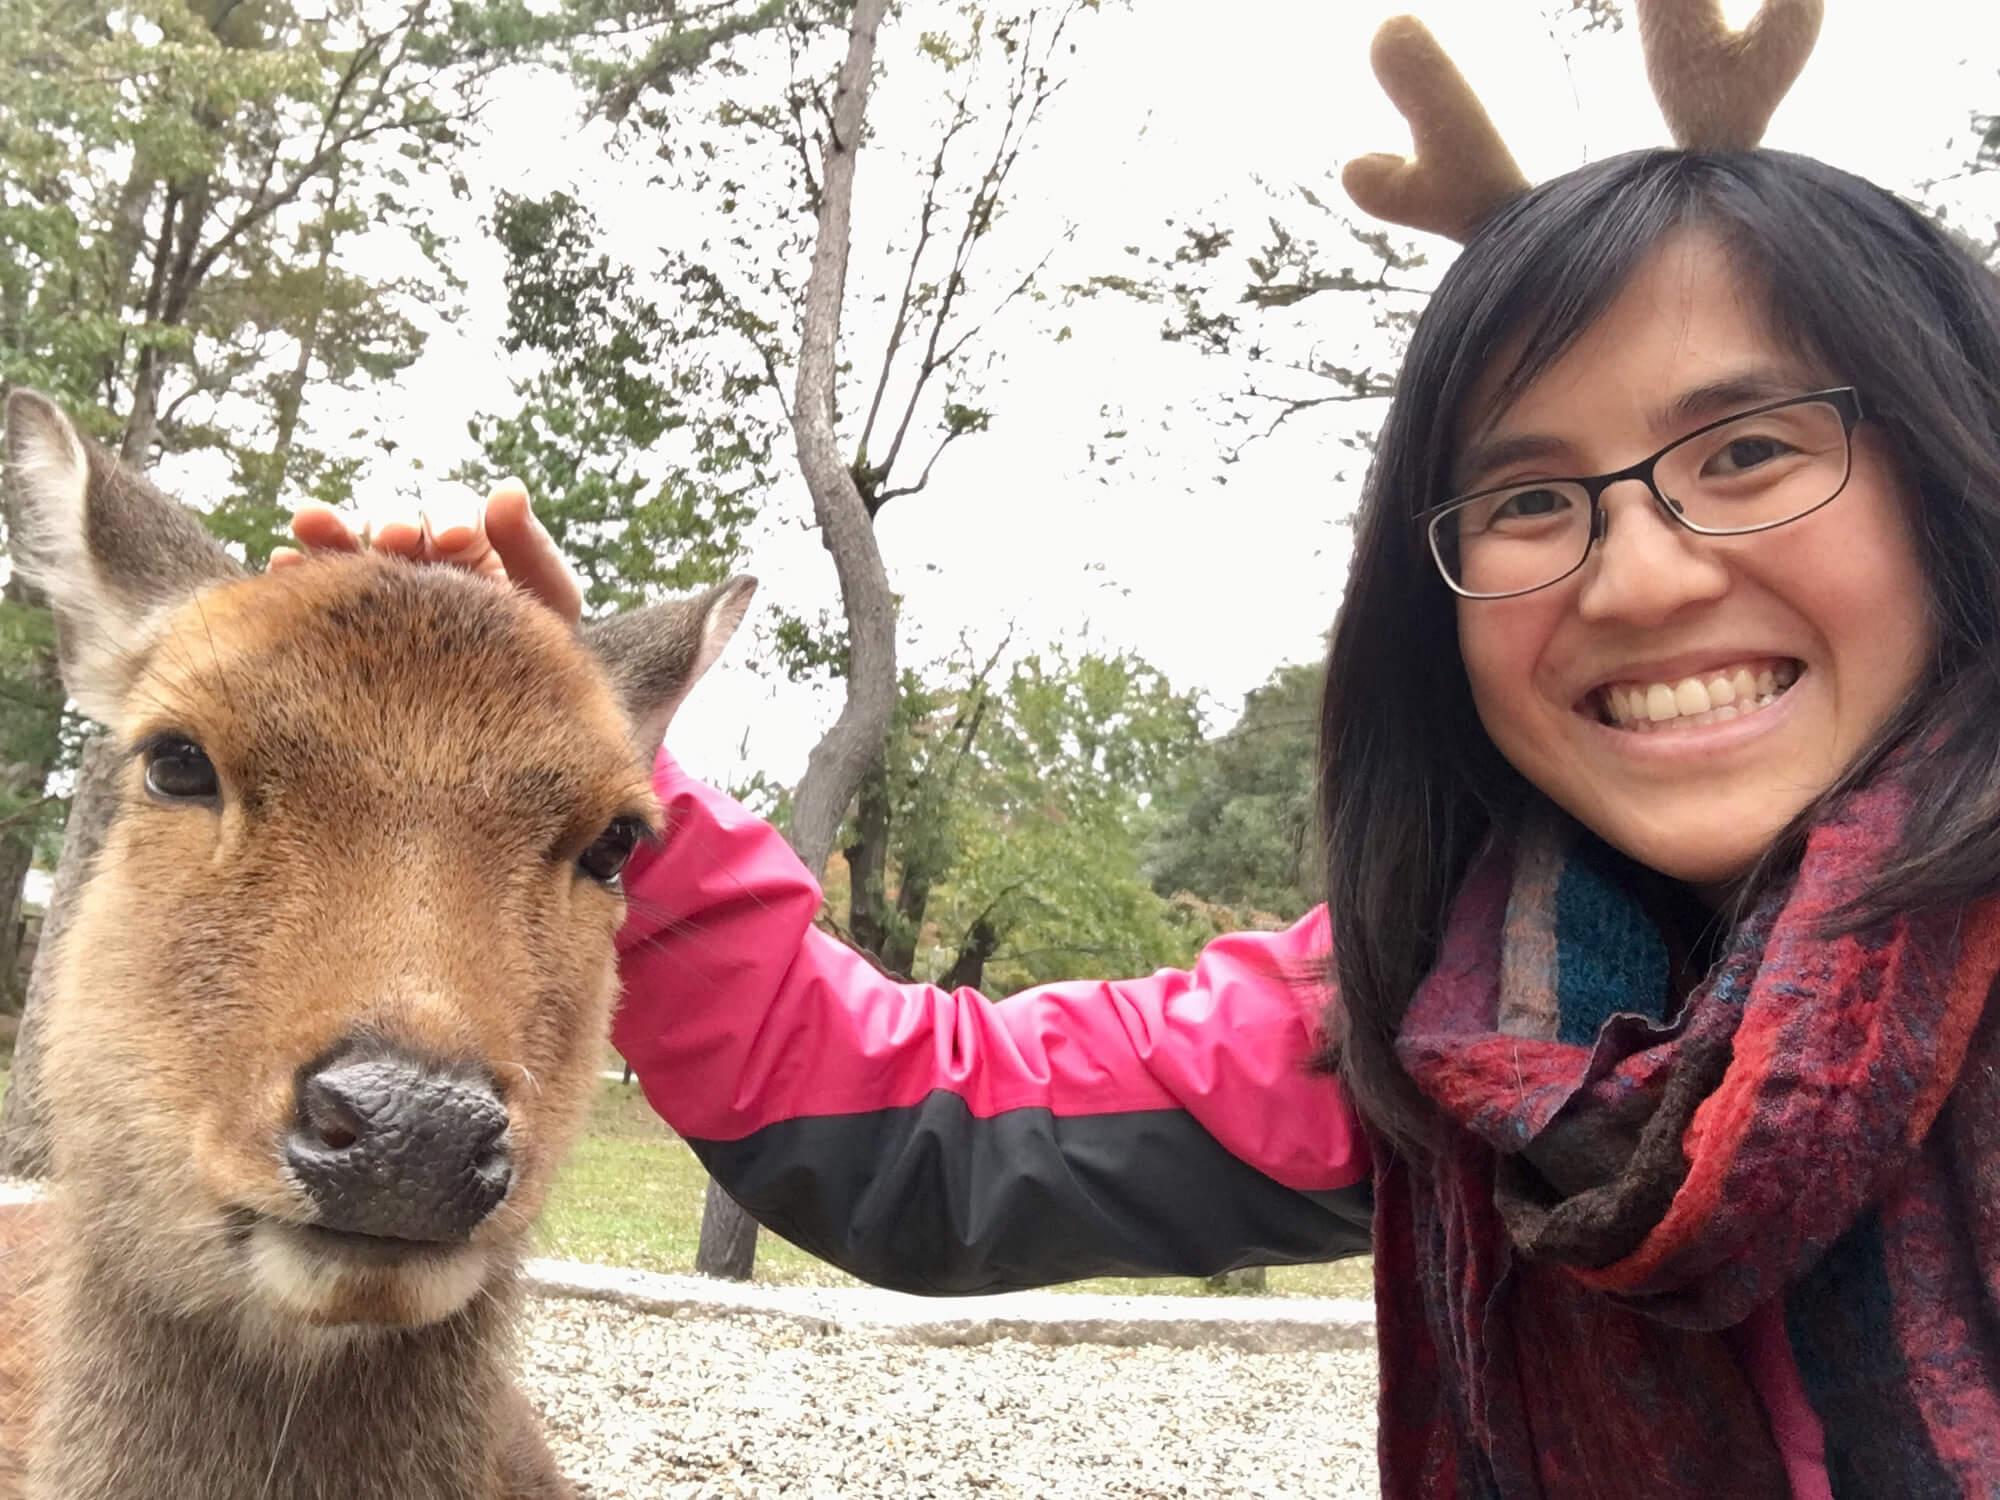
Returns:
<point x="1717" y="88"/>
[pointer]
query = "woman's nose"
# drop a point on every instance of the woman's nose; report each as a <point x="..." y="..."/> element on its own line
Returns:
<point x="1646" y="566"/>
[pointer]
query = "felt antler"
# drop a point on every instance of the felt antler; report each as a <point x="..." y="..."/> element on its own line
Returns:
<point x="1462" y="170"/>
<point x="1718" y="88"/>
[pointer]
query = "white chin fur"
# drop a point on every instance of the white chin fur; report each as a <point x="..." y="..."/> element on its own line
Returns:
<point x="311" y="1287"/>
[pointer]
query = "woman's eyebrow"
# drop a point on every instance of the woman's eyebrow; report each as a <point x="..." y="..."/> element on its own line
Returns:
<point x="1718" y="398"/>
<point x="1484" y="455"/>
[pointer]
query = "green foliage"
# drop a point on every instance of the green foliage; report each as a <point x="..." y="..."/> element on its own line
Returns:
<point x="31" y="722"/>
<point x="644" y="454"/>
<point x="179" y="180"/>
<point x="1237" y="831"/>
<point x="176" y="181"/>
<point x="1019" y="810"/>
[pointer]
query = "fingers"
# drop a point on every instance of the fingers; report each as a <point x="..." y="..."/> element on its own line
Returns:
<point x="454" y="533"/>
<point x="320" y="528"/>
<point x="528" y="554"/>
<point x="504" y="542"/>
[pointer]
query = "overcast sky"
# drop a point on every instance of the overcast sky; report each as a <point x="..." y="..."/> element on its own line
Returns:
<point x="1171" y="112"/>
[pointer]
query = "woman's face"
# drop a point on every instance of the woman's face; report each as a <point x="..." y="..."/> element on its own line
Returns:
<point x="1826" y="615"/>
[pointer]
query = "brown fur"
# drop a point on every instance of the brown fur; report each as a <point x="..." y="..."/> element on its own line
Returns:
<point x="411" y="761"/>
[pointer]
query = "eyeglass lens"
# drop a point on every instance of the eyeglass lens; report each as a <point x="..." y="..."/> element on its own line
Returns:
<point x="1748" y="475"/>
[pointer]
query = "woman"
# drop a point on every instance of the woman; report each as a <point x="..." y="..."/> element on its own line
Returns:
<point x="1661" y="827"/>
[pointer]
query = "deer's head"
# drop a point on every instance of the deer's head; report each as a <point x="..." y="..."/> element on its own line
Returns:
<point x="335" y="1001"/>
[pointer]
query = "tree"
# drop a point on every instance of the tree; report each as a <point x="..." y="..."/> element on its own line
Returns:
<point x="1237" y="831"/>
<point x="777" y="173"/>
<point x="999" y="838"/>
<point x="31" y="740"/>
<point x="176" y="181"/>
<point x="1249" y="309"/>
<point x="621" y="380"/>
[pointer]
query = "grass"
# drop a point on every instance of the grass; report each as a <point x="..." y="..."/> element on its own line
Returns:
<point x="631" y="1195"/>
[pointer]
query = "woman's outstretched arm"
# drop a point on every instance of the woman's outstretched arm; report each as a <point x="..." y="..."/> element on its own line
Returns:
<point x="941" y="1142"/>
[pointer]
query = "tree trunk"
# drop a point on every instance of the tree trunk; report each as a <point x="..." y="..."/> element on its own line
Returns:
<point x="16" y="853"/>
<point x="868" y="862"/>
<point x="843" y="756"/>
<point x="728" y="1236"/>
<point x="23" y="1144"/>
<point x="968" y="970"/>
<point x="913" y="898"/>
<point x="1250" y="1280"/>
<point x="292" y="394"/>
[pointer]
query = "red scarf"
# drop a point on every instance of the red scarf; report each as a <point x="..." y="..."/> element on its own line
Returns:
<point x="1624" y="1179"/>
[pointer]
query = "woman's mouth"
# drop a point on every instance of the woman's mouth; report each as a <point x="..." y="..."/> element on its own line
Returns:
<point x="1710" y="697"/>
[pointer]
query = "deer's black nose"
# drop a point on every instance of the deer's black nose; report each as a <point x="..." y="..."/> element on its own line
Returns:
<point x="391" y="1146"/>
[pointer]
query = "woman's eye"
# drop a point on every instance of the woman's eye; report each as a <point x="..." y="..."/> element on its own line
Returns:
<point x="1742" y="454"/>
<point x="179" y="770"/>
<point x="605" y="859"/>
<point x="1529" y="505"/>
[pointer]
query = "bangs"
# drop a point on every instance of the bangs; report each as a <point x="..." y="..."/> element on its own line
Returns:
<point x="1545" y="269"/>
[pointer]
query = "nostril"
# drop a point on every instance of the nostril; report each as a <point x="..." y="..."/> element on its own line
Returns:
<point x="329" y="1118"/>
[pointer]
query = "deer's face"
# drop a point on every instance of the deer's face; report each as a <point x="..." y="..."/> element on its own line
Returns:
<point x="336" y="1003"/>
<point x="335" y="1000"/>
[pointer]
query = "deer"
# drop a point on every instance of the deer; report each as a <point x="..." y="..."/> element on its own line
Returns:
<point x="332" y="1006"/>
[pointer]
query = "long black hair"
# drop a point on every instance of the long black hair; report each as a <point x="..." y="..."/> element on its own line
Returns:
<point x="1856" y="282"/>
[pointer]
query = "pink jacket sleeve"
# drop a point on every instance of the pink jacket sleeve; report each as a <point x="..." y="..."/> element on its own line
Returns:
<point x="944" y="1142"/>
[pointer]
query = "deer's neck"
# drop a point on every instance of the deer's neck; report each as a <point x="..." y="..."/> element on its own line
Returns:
<point x="139" y="1405"/>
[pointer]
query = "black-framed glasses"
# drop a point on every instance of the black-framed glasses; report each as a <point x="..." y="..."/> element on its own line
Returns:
<point x="1749" y="472"/>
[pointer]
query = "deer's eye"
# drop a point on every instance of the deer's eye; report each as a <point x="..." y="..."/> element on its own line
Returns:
<point x="179" y="770"/>
<point x="605" y="859"/>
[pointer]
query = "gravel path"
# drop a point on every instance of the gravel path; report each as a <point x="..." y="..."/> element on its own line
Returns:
<point x="745" y="1407"/>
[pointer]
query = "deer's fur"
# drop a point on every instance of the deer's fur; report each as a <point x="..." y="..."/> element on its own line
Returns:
<point x="410" y="762"/>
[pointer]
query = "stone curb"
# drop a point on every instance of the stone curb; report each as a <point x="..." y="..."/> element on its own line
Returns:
<point x="1256" y="1325"/>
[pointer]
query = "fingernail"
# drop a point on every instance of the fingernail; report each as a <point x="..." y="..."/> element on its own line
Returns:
<point x="453" y="525"/>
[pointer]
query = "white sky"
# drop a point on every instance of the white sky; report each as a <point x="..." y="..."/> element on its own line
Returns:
<point x="1169" y="113"/>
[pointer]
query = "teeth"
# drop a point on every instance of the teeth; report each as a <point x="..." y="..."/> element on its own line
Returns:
<point x="1690" y="697"/>
<point x="1713" y="699"/>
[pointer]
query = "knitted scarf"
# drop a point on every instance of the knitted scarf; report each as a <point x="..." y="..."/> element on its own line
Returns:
<point x="1631" y="1174"/>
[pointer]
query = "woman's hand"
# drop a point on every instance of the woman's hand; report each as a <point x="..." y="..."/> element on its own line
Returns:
<point x="506" y="542"/>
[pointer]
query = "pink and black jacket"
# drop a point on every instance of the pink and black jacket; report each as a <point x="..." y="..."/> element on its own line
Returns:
<point x="942" y="1143"/>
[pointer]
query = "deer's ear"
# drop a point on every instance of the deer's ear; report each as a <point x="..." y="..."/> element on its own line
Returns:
<point x="113" y="555"/>
<point x="657" y="653"/>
